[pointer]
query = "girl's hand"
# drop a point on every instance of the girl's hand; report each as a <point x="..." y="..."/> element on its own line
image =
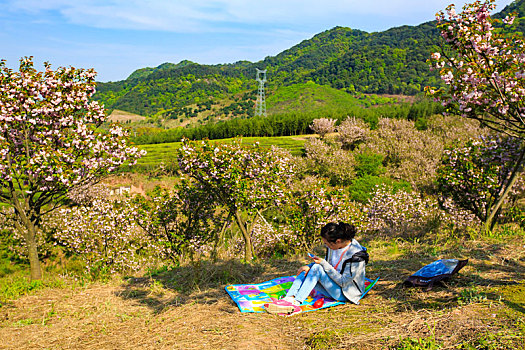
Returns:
<point x="317" y="259"/>
<point x="304" y="269"/>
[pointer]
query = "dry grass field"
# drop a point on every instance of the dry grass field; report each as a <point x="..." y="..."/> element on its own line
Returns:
<point x="123" y="116"/>
<point x="186" y="307"/>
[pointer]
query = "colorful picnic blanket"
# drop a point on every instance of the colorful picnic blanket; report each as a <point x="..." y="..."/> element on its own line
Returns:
<point x="252" y="297"/>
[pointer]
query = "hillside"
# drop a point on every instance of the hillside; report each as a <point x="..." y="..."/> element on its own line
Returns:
<point x="517" y="7"/>
<point x="124" y="117"/>
<point x="350" y="60"/>
<point x="311" y="96"/>
<point x="342" y="58"/>
<point x="390" y="62"/>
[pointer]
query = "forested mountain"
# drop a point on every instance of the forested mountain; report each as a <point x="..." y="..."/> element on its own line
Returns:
<point x="354" y="61"/>
<point x="390" y="62"/>
<point x="168" y="90"/>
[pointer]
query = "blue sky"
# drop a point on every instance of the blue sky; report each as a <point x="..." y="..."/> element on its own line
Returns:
<point x="118" y="36"/>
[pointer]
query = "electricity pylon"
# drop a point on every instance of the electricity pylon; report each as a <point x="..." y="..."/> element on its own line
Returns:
<point x="260" y="104"/>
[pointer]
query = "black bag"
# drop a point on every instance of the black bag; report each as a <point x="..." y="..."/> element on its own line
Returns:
<point x="437" y="271"/>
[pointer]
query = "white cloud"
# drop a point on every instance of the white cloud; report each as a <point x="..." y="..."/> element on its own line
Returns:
<point x="186" y="16"/>
<point x="204" y="31"/>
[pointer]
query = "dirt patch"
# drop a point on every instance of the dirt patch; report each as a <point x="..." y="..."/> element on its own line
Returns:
<point x="135" y="183"/>
<point x="100" y="317"/>
<point x="123" y="116"/>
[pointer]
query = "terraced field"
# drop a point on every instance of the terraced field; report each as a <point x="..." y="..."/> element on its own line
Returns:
<point x="166" y="152"/>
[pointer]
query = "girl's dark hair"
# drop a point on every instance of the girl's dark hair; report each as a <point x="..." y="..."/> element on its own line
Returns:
<point x="332" y="232"/>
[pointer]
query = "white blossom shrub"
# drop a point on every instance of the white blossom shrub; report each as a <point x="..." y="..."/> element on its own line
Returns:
<point x="409" y="154"/>
<point x="329" y="161"/>
<point x="402" y="213"/>
<point x="457" y="219"/>
<point x="323" y="126"/>
<point x="88" y="193"/>
<point x="452" y="129"/>
<point x="352" y="131"/>
<point x="270" y="241"/>
<point x="104" y="235"/>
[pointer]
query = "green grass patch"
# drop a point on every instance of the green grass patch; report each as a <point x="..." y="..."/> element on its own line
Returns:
<point x="363" y="187"/>
<point x="494" y="341"/>
<point x="17" y="284"/>
<point x="472" y="295"/>
<point x="514" y="295"/>
<point x="333" y="338"/>
<point x="419" y="344"/>
<point x="311" y="96"/>
<point x="166" y="152"/>
<point x="8" y="268"/>
<point x="15" y="278"/>
<point x="323" y="340"/>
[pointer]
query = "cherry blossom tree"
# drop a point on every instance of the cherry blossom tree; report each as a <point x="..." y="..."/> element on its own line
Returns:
<point x="49" y="142"/>
<point x="484" y="70"/>
<point x="243" y="179"/>
<point x="178" y="221"/>
<point x="323" y="126"/>
<point x="352" y="131"/>
<point x="103" y="233"/>
<point x="473" y="175"/>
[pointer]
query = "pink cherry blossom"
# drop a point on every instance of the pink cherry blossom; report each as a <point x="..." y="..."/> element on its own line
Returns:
<point x="50" y="141"/>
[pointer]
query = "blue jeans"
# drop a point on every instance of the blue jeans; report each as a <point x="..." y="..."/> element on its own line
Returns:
<point x="315" y="279"/>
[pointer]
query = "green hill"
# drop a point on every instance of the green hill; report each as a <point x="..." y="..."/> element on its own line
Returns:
<point x="311" y="96"/>
<point x="144" y="72"/>
<point x="352" y="61"/>
<point x="517" y="7"/>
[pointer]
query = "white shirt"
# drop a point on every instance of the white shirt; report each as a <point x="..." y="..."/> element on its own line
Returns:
<point x="336" y="255"/>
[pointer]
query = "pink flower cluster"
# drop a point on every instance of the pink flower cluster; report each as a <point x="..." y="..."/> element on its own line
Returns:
<point x="483" y="67"/>
<point x="104" y="234"/>
<point x="245" y="177"/>
<point x="48" y="129"/>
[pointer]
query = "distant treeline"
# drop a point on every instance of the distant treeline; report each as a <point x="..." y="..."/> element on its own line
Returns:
<point x="288" y="124"/>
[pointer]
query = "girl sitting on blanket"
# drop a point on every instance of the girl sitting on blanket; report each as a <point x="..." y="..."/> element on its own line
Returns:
<point x="341" y="275"/>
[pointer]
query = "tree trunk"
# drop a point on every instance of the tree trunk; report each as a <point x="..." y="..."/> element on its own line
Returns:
<point x="28" y="231"/>
<point x="32" y="252"/>
<point x="219" y="239"/>
<point x="248" y="247"/>
<point x="491" y="218"/>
